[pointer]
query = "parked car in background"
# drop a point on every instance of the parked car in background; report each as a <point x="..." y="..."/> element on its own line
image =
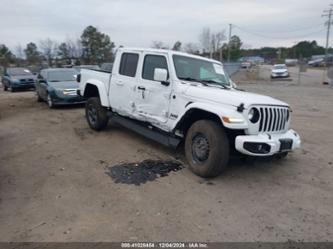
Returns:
<point x="16" y="78"/>
<point x="246" y="64"/>
<point x="58" y="86"/>
<point x="317" y="62"/>
<point x="279" y="71"/>
<point x="291" y="62"/>
<point x="94" y="67"/>
<point x="107" y="67"/>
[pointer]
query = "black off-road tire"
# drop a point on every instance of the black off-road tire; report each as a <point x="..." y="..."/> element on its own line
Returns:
<point x="96" y="114"/>
<point x="207" y="148"/>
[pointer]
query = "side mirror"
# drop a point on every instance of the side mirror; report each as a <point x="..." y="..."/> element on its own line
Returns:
<point x="161" y="75"/>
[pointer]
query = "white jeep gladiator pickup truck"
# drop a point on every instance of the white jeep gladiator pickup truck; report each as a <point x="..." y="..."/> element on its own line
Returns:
<point x="173" y="97"/>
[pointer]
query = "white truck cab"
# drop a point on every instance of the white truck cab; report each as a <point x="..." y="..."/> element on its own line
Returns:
<point x="172" y="97"/>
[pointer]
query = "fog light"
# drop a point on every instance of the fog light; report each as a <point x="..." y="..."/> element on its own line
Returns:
<point x="257" y="148"/>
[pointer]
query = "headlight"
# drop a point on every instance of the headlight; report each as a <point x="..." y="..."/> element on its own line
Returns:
<point x="254" y="115"/>
<point x="72" y="92"/>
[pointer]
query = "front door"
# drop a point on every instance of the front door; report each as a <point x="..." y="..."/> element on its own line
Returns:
<point x="152" y="98"/>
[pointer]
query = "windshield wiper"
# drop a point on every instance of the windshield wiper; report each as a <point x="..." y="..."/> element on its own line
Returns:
<point x="194" y="80"/>
<point x="215" y="83"/>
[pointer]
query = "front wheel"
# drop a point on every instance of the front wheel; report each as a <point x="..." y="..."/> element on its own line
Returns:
<point x="96" y="114"/>
<point x="50" y="101"/>
<point x="207" y="148"/>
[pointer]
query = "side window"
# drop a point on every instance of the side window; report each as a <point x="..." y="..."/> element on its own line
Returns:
<point x="128" y="64"/>
<point x="150" y="63"/>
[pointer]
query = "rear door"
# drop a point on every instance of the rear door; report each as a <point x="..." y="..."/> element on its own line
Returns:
<point x="123" y="82"/>
<point x="151" y="97"/>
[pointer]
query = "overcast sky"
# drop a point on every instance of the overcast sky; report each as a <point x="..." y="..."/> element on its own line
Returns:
<point x="139" y="22"/>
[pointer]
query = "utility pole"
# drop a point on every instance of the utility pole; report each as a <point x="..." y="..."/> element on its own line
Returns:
<point x="329" y="22"/>
<point x="328" y="14"/>
<point x="229" y="44"/>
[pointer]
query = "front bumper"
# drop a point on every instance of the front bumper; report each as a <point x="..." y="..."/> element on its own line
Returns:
<point x="267" y="144"/>
<point x="23" y="85"/>
<point x="273" y="76"/>
<point x="67" y="100"/>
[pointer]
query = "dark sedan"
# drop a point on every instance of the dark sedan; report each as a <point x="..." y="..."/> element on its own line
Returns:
<point x="58" y="86"/>
<point x="16" y="78"/>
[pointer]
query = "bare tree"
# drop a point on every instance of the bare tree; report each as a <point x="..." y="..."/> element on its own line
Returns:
<point x="49" y="49"/>
<point x="19" y="51"/>
<point x="191" y="48"/>
<point x="212" y="42"/>
<point x="159" y="45"/>
<point x="177" y="46"/>
<point x="205" y="40"/>
<point x="74" y="48"/>
<point x="217" y="42"/>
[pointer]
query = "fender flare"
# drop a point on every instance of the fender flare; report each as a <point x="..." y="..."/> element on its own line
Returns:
<point x="101" y="91"/>
<point x="228" y="111"/>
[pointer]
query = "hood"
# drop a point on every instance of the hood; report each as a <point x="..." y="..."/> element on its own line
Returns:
<point x="64" y="85"/>
<point x="230" y="97"/>
<point x="279" y="70"/>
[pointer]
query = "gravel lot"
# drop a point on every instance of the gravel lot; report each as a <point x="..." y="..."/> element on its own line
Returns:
<point x="53" y="185"/>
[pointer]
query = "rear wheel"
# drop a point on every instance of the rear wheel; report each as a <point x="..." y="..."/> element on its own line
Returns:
<point x="207" y="148"/>
<point x="96" y="114"/>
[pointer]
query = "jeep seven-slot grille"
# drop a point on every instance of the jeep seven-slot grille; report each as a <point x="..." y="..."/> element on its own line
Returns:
<point x="273" y="119"/>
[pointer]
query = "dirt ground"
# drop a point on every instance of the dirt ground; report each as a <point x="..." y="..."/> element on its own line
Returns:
<point x="53" y="185"/>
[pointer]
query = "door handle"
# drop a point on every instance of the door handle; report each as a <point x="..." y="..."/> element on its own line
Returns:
<point x="141" y="88"/>
<point x="119" y="83"/>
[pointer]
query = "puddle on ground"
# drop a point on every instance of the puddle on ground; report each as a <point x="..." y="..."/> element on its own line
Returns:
<point x="142" y="172"/>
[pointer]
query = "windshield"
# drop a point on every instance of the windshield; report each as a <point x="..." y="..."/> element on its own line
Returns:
<point x="188" y="68"/>
<point x="18" y="71"/>
<point x="280" y="67"/>
<point x="62" y="75"/>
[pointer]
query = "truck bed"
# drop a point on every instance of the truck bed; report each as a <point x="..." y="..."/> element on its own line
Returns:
<point x="88" y="75"/>
<point x="92" y="76"/>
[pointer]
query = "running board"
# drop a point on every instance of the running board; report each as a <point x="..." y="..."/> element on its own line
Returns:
<point x="137" y="127"/>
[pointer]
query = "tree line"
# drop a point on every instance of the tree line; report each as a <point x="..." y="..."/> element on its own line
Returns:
<point x="216" y="45"/>
<point x="96" y="47"/>
<point x="93" y="47"/>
